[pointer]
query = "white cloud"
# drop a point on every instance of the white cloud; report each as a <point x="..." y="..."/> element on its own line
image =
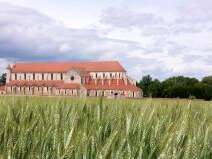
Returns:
<point x="3" y="64"/>
<point x="143" y="40"/>
<point x="124" y="18"/>
<point x="166" y="45"/>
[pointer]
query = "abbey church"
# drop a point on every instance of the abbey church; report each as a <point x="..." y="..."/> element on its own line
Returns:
<point x="100" y="78"/>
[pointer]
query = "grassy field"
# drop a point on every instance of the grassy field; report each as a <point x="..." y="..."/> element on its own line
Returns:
<point x="41" y="127"/>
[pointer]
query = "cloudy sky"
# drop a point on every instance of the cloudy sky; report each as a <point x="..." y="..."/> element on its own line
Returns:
<point x="158" y="37"/>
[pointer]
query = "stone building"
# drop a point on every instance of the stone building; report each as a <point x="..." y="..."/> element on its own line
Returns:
<point x="100" y="78"/>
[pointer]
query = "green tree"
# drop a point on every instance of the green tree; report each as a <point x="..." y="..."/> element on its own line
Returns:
<point x="154" y="89"/>
<point x="207" y="80"/>
<point x="144" y="84"/>
<point x="3" y="79"/>
<point x="179" y="86"/>
<point x="150" y="87"/>
<point x="202" y="91"/>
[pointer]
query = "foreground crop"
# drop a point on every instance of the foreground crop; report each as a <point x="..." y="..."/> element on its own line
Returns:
<point x="69" y="128"/>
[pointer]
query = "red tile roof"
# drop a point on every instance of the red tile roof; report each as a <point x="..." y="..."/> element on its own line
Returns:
<point x="90" y="86"/>
<point x="115" y="84"/>
<point x="35" y="83"/>
<point x="2" y="88"/>
<point x="69" y="86"/>
<point x="58" y="84"/>
<point x="98" y="66"/>
<point x="111" y="87"/>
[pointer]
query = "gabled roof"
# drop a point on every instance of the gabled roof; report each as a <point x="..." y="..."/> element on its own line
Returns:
<point x="97" y="66"/>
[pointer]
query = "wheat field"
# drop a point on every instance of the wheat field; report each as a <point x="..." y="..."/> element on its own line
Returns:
<point x="56" y="127"/>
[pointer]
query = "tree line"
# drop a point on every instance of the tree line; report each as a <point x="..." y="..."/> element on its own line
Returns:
<point x="177" y="87"/>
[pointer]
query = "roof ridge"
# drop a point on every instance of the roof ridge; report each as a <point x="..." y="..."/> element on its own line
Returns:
<point x="59" y="66"/>
<point x="66" y="62"/>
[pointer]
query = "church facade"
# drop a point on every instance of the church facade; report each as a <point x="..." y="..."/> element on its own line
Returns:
<point x="100" y="78"/>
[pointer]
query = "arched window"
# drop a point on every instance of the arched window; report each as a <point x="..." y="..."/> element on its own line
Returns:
<point x="72" y="78"/>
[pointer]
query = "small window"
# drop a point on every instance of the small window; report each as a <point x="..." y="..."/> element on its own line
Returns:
<point x="72" y="78"/>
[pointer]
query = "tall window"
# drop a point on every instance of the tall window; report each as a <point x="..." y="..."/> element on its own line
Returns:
<point x="61" y="75"/>
<point x="51" y="76"/>
<point x="42" y="76"/>
<point x="15" y="76"/>
<point x="25" y="76"/>
<point x="33" y="76"/>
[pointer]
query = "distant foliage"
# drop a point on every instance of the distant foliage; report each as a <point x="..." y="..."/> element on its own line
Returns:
<point x="150" y="87"/>
<point x="177" y="87"/>
<point x="3" y="79"/>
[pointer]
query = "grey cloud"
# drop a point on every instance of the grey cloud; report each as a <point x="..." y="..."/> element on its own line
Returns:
<point x="124" y="18"/>
<point x="29" y="35"/>
<point x="188" y="19"/>
<point x="191" y="58"/>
